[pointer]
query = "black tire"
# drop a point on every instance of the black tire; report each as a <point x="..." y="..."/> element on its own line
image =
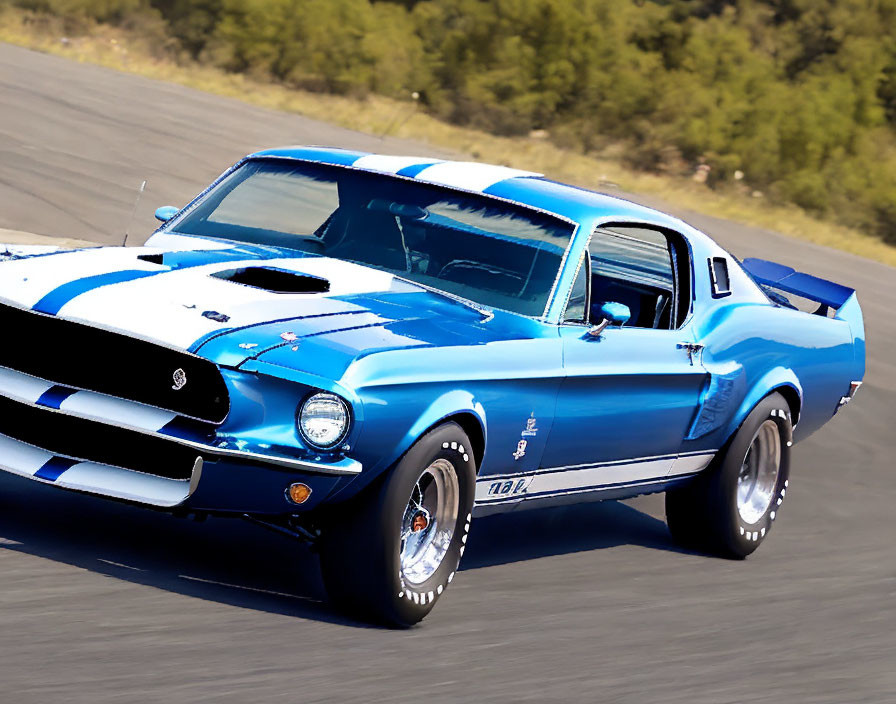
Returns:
<point x="704" y="514"/>
<point x="360" y="548"/>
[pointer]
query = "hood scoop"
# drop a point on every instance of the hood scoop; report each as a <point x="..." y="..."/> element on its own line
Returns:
<point x="274" y="280"/>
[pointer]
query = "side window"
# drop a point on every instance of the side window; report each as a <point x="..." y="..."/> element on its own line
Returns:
<point x="646" y="269"/>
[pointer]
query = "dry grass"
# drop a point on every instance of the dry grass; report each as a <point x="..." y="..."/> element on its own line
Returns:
<point x="116" y="49"/>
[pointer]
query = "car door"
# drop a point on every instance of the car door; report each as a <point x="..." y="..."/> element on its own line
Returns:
<point x="631" y="391"/>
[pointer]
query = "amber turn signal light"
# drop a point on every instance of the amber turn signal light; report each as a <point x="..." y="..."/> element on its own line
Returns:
<point x="298" y="493"/>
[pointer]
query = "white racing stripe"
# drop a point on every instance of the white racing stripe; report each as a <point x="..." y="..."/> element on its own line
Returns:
<point x="388" y="164"/>
<point x="125" y="484"/>
<point x="169" y="307"/>
<point x="170" y="242"/>
<point x="469" y="175"/>
<point x="116" y="411"/>
<point x="86" y="404"/>
<point x="26" y="461"/>
<point x="24" y="282"/>
<point x="21" y="387"/>
<point x="18" y="458"/>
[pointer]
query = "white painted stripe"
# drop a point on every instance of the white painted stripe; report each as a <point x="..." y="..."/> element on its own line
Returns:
<point x="469" y="175"/>
<point x="388" y="164"/>
<point x="18" y="458"/>
<point x="689" y="464"/>
<point x="171" y="242"/>
<point x="22" y="387"/>
<point x="124" y="484"/>
<point x="24" y="460"/>
<point x="116" y="411"/>
<point x="600" y="476"/>
<point x="592" y="477"/>
<point x="168" y="308"/>
<point x="24" y="282"/>
<point x="86" y="404"/>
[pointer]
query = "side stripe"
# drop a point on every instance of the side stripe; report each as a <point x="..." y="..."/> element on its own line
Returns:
<point x="55" y="299"/>
<point x="557" y="481"/>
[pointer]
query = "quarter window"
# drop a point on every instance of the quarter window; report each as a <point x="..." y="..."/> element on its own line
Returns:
<point x="718" y="276"/>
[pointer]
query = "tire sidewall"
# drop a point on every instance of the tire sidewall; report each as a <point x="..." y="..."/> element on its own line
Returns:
<point x="409" y="603"/>
<point x="741" y="536"/>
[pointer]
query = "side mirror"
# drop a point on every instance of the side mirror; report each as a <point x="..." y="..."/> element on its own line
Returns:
<point x="611" y="314"/>
<point x="165" y="213"/>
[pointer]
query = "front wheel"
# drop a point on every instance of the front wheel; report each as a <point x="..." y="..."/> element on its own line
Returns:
<point x="730" y="509"/>
<point x="388" y="555"/>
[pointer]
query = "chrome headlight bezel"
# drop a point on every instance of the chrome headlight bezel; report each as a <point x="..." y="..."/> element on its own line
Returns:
<point x="327" y="397"/>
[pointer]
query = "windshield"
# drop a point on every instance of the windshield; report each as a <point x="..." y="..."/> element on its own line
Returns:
<point x="487" y="251"/>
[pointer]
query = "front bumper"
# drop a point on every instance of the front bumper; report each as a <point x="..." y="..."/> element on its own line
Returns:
<point x="91" y="442"/>
<point x="215" y="486"/>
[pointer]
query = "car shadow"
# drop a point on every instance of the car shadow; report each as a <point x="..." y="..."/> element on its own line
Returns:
<point x="241" y="564"/>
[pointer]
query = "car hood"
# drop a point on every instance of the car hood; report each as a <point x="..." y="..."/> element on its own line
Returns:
<point x="193" y="300"/>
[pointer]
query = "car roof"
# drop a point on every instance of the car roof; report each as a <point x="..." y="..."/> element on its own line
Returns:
<point x="524" y="187"/>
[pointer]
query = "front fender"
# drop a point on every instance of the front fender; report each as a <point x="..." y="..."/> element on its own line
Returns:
<point x="382" y="449"/>
<point x="448" y="404"/>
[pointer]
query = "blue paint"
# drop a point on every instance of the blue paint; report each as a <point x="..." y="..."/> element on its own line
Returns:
<point x="412" y="171"/>
<point x="53" y="302"/>
<point x="55" y="467"/>
<point x="54" y="396"/>
<point x="407" y="359"/>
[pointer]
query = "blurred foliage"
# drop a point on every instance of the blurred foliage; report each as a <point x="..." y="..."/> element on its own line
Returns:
<point x="796" y="98"/>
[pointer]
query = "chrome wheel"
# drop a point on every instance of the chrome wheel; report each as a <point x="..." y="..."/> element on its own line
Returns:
<point x="758" y="475"/>
<point x="429" y="520"/>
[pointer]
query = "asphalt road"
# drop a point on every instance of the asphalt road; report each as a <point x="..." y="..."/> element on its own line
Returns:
<point x="101" y="602"/>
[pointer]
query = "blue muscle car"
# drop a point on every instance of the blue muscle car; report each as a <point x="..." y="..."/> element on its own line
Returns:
<point x="366" y="351"/>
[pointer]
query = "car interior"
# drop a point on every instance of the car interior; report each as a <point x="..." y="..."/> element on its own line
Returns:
<point x="645" y="269"/>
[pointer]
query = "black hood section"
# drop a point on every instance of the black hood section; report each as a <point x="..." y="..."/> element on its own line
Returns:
<point x="275" y="280"/>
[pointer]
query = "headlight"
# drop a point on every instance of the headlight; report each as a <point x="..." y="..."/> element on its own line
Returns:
<point x="323" y="420"/>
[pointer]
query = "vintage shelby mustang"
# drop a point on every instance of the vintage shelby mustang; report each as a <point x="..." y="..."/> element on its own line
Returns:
<point x="368" y="350"/>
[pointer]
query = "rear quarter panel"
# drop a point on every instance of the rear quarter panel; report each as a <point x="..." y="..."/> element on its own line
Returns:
<point x="760" y="347"/>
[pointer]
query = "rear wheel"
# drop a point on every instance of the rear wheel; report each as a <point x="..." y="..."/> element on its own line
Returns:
<point x="388" y="555"/>
<point x="730" y="509"/>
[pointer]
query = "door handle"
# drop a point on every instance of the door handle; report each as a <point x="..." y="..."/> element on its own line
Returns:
<point x="692" y="348"/>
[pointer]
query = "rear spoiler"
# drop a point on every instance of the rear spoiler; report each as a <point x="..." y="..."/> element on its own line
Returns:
<point x="789" y="280"/>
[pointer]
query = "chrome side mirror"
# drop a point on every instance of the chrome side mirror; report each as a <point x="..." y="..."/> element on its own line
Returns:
<point x="165" y="213"/>
<point x="611" y="314"/>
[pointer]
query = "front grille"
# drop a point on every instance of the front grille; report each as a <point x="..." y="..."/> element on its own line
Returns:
<point x="84" y="357"/>
<point x="95" y="442"/>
